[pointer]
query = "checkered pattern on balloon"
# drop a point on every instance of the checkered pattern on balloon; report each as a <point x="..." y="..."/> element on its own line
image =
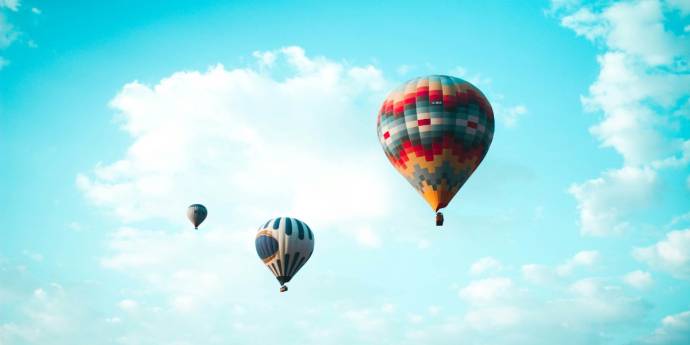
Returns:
<point x="435" y="130"/>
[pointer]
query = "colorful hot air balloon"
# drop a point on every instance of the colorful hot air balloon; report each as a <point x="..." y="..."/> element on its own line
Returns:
<point x="196" y="214"/>
<point x="284" y="245"/>
<point x="435" y="130"/>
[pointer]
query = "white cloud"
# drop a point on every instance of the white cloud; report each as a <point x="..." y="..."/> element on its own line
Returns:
<point x="512" y="114"/>
<point x="601" y="302"/>
<point x="368" y="238"/>
<point x="476" y="79"/>
<point x="544" y="275"/>
<point x="388" y="308"/>
<point x="508" y="116"/>
<point x="674" y="330"/>
<point x="487" y="290"/>
<point x="537" y="274"/>
<point x="639" y="89"/>
<point x="681" y="159"/>
<point x="75" y="226"/>
<point x="7" y="32"/>
<point x="365" y="321"/>
<point x="605" y="202"/>
<point x="36" y="10"/>
<point x="682" y="5"/>
<point x="671" y="255"/>
<point x="38" y="257"/>
<point x="583" y="258"/>
<point x="679" y="219"/>
<point x="623" y="91"/>
<point x="638" y="279"/>
<point x="265" y="59"/>
<point x="635" y="28"/>
<point x="586" y="258"/>
<point x="40" y="293"/>
<point x="501" y="311"/>
<point x="404" y="69"/>
<point x="190" y="268"/>
<point x="12" y="5"/>
<point x="415" y="318"/>
<point x="493" y="318"/>
<point x="49" y="317"/>
<point x="485" y="264"/>
<point x="215" y="138"/>
<point x="638" y="28"/>
<point x="585" y="23"/>
<point x="113" y="320"/>
<point x="128" y="305"/>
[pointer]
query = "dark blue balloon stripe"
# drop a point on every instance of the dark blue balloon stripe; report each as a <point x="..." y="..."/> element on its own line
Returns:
<point x="266" y="246"/>
<point x="288" y="226"/>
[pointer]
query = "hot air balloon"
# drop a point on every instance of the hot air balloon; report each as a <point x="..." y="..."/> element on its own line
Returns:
<point x="284" y="245"/>
<point x="196" y="214"/>
<point x="435" y="130"/>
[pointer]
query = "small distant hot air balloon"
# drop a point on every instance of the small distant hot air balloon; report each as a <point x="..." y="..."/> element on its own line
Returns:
<point x="284" y="245"/>
<point x="435" y="130"/>
<point x="196" y="214"/>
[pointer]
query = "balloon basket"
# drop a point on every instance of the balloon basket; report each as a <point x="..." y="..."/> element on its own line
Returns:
<point x="439" y="219"/>
<point x="283" y="288"/>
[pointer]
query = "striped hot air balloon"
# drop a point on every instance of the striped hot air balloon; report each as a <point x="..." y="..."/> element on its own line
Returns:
<point x="284" y="245"/>
<point x="435" y="130"/>
<point x="196" y="214"/>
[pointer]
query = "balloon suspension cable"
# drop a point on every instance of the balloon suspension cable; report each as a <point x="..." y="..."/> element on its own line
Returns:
<point x="283" y="288"/>
<point x="439" y="219"/>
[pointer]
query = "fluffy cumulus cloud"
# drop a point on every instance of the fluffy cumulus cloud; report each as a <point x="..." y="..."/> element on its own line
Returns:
<point x="605" y="202"/>
<point x="487" y="290"/>
<point x="502" y="310"/>
<point x="638" y="279"/>
<point x="12" y="5"/>
<point x="485" y="265"/>
<point x="641" y="88"/>
<point x="674" y="330"/>
<point x="671" y="254"/>
<point x="41" y="313"/>
<point x="585" y="260"/>
<point x="249" y="143"/>
<point x="186" y="293"/>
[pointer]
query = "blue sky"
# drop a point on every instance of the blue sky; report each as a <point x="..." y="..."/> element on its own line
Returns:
<point x="116" y="116"/>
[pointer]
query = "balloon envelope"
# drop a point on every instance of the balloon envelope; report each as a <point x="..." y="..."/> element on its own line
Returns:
<point x="284" y="245"/>
<point x="196" y="214"/>
<point x="435" y="130"/>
